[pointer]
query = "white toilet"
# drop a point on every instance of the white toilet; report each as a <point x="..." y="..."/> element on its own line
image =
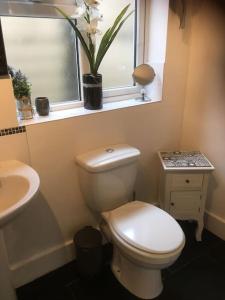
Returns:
<point x="145" y="238"/>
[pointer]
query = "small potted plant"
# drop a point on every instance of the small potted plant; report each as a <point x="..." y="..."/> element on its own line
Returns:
<point x="22" y="93"/>
<point x="89" y="16"/>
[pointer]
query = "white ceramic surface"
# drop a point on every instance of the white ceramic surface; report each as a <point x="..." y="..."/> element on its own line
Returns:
<point x="107" y="176"/>
<point x="136" y="263"/>
<point x="19" y="183"/>
<point x="145" y="238"/>
<point x="146" y="227"/>
<point x="106" y="158"/>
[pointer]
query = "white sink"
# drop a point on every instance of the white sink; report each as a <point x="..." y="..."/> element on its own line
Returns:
<point x="19" y="183"/>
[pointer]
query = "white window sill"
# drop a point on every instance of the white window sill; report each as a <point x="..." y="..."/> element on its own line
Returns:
<point x="81" y="111"/>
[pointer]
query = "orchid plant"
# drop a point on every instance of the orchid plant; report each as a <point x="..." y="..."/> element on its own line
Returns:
<point x="89" y="15"/>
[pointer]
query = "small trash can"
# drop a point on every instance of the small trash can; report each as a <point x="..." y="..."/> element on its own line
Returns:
<point x="88" y="245"/>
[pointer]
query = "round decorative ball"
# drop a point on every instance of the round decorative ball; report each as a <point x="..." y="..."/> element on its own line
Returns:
<point x="143" y="74"/>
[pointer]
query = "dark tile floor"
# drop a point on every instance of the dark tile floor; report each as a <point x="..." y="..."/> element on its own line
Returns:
<point x="199" y="274"/>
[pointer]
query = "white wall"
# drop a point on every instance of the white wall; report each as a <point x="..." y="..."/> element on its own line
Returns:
<point x="204" y="121"/>
<point x="40" y="239"/>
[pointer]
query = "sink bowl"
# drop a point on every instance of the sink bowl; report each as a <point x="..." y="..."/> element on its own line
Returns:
<point x="19" y="183"/>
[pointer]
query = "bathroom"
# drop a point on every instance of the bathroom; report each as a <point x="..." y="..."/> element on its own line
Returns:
<point x="187" y="113"/>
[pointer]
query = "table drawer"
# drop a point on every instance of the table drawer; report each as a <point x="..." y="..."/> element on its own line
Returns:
<point x="187" y="181"/>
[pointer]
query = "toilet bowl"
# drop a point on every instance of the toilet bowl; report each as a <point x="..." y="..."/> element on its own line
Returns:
<point x="146" y="240"/>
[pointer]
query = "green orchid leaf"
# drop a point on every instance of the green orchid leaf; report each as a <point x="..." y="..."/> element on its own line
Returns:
<point x="79" y="35"/>
<point x="104" y="50"/>
<point x="107" y="36"/>
<point x="119" y="17"/>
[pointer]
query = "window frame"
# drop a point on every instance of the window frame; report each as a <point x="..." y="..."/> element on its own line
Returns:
<point x="139" y="52"/>
<point x="112" y="94"/>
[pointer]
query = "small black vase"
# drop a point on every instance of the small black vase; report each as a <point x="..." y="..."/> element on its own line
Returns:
<point x="42" y="106"/>
<point x="92" y="87"/>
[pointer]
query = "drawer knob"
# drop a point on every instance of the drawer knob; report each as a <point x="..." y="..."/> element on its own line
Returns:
<point x="172" y="204"/>
<point x="187" y="181"/>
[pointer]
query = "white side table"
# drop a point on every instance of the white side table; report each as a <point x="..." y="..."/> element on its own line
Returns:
<point x="183" y="185"/>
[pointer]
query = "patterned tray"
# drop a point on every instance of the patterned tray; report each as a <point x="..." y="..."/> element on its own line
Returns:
<point x="180" y="159"/>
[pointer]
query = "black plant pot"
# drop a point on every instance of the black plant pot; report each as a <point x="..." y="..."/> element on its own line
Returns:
<point x="92" y="87"/>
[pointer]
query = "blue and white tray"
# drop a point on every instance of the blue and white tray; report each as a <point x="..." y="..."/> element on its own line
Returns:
<point x="184" y="160"/>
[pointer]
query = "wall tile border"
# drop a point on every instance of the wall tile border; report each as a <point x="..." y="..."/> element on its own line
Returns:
<point x="13" y="130"/>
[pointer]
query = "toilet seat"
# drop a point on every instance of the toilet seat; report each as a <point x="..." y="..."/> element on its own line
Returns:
<point x="146" y="228"/>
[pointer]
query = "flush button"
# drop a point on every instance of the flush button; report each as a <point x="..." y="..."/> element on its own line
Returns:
<point x="109" y="150"/>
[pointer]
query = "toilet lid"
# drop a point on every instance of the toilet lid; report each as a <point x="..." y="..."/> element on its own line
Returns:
<point x="146" y="227"/>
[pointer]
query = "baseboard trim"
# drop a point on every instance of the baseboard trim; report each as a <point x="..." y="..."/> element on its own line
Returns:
<point x="215" y="224"/>
<point x="51" y="259"/>
<point x="38" y="265"/>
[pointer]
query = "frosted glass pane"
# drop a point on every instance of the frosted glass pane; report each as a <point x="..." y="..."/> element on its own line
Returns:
<point x="43" y="49"/>
<point x="118" y="65"/>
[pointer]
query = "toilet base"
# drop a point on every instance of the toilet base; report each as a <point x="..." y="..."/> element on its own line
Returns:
<point x="142" y="282"/>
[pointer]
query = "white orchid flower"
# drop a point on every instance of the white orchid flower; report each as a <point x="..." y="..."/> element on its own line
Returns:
<point x="92" y="30"/>
<point x="78" y="12"/>
<point x="90" y="27"/>
<point x="92" y="3"/>
<point x="95" y="14"/>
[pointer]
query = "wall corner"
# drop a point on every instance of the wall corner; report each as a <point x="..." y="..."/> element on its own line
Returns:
<point x="8" y="116"/>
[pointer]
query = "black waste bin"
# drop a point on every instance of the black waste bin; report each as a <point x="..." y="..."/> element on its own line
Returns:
<point x="88" y="245"/>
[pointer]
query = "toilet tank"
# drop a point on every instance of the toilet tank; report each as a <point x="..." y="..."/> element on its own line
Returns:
<point x="107" y="176"/>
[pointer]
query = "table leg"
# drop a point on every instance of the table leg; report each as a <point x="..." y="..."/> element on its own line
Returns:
<point x="198" y="234"/>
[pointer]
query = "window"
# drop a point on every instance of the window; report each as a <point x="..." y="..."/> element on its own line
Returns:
<point x="120" y="60"/>
<point x="46" y="50"/>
